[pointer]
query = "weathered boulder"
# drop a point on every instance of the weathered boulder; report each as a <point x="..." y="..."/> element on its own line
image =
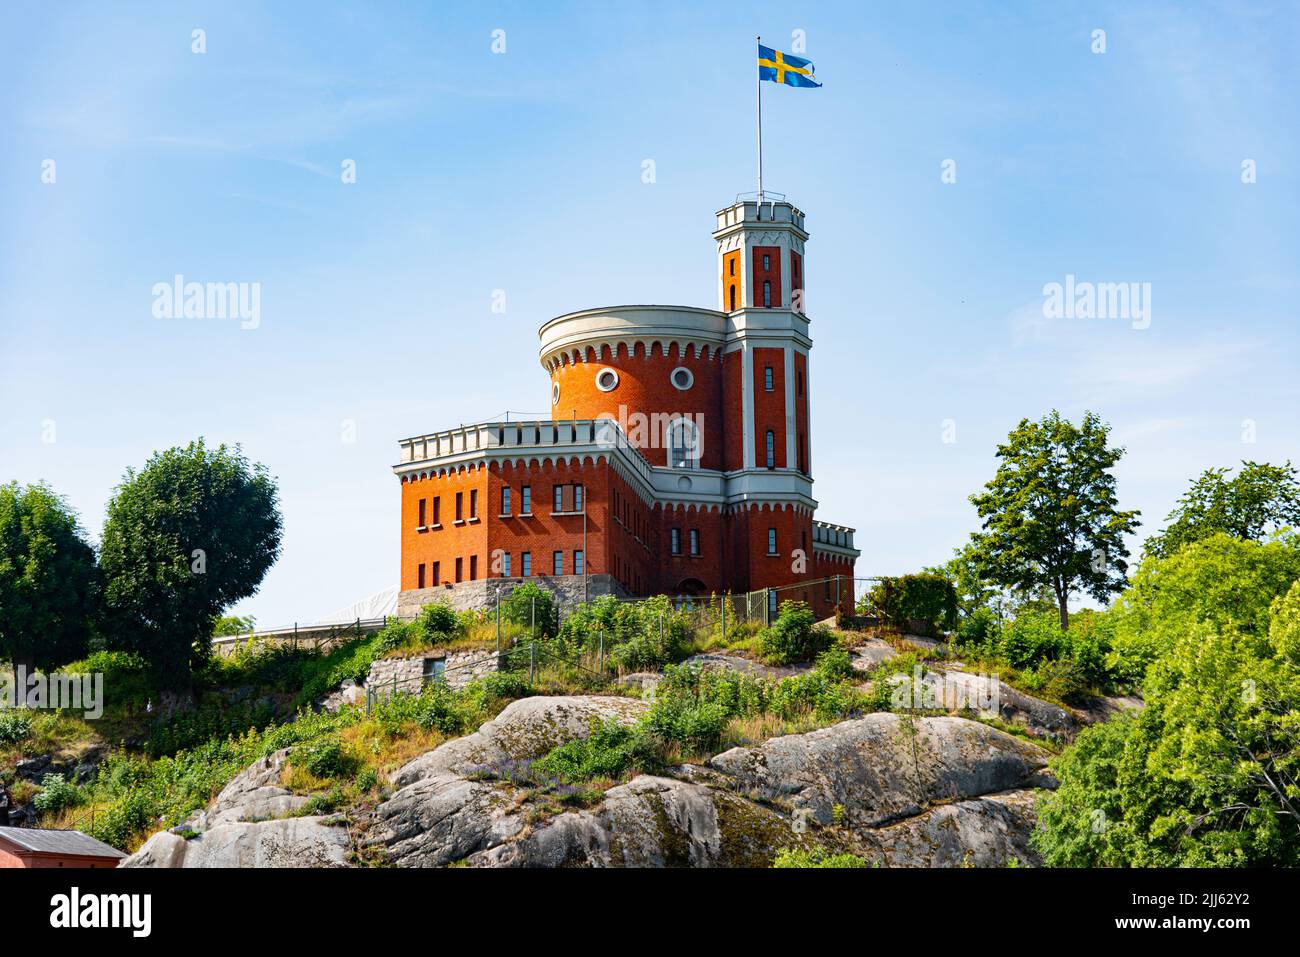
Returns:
<point x="746" y="666"/>
<point x="292" y="842"/>
<point x="441" y="819"/>
<point x="527" y="728"/>
<point x="949" y="690"/>
<point x="988" y="831"/>
<point x="871" y="654"/>
<point x="653" y="822"/>
<point x="880" y="768"/>
<point x="254" y="794"/>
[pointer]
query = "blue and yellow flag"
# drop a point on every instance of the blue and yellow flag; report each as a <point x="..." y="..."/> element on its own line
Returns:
<point x="784" y="68"/>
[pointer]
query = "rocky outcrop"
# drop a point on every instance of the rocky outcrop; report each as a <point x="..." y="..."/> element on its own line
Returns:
<point x="292" y="842"/>
<point x="746" y="666"/>
<point x="251" y="823"/>
<point x="880" y="768"/>
<point x="953" y="690"/>
<point x="527" y="728"/>
<point x="924" y="792"/>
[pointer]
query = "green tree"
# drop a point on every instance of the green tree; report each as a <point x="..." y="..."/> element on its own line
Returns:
<point x="48" y="580"/>
<point x="1259" y="499"/>
<point x="229" y="625"/>
<point x="1225" y="581"/>
<point x="1208" y="774"/>
<point x="1049" y="513"/>
<point x="191" y="533"/>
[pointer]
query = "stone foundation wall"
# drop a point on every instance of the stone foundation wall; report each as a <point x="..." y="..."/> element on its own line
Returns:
<point x="407" y="674"/>
<point x="566" y="591"/>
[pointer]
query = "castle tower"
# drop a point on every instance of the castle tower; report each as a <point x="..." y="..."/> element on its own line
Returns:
<point x="761" y="288"/>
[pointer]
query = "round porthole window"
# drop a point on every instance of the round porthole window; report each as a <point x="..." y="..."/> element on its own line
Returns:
<point x="555" y="394"/>
<point x="682" y="378"/>
<point x="606" y="380"/>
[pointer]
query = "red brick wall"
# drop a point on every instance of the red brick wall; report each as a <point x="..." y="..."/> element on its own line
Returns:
<point x="544" y="533"/>
<point x="733" y="411"/>
<point x="769" y="407"/>
<point x="450" y="542"/>
<point x="772" y="274"/>
<point x="801" y="412"/>
<point x="644" y="387"/>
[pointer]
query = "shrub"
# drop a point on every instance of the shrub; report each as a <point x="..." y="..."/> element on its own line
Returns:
<point x="1031" y="637"/>
<point x="439" y="621"/>
<point x="323" y="759"/>
<point x="14" y="726"/>
<point x="518" y="608"/>
<point x="56" y="794"/>
<point x="923" y="597"/>
<point x="980" y="629"/>
<point x="794" y="636"/>
<point x="126" y="677"/>
<point x="608" y="752"/>
<point x="790" y="857"/>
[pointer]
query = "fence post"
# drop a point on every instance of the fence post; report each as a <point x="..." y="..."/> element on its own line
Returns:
<point x="837" y="594"/>
<point x="602" y="651"/>
<point x="724" y="616"/>
<point x="532" y="660"/>
<point x="498" y="619"/>
<point x="532" y="626"/>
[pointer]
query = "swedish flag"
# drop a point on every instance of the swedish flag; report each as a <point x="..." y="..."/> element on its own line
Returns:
<point x="784" y="68"/>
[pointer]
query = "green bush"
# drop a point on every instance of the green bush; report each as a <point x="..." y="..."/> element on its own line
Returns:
<point x="440" y="621"/>
<point x="56" y="794"/>
<point x="636" y="636"/>
<point x="126" y="677"/>
<point x="518" y="608"/>
<point x="790" y="857"/>
<point x="14" y="726"/>
<point x="608" y="752"/>
<point x="1032" y="637"/>
<point x="923" y="597"/>
<point x="794" y="636"/>
<point x="324" y="758"/>
<point x="980" y="629"/>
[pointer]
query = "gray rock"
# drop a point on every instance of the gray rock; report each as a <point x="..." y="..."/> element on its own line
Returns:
<point x="653" y="822"/>
<point x="294" y="842"/>
<point x="948" y="690"/>
<point x="527" y="728"/>
<point x="441" y="819"/>
<point x="880" y="768"/>
<point x="254" y="794"/>
<point x="746" y="666"/>
<point x="871" y="654"/>
<point x="987" y="831"/>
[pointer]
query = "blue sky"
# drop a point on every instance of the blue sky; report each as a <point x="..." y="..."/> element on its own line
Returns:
<point x="522" y="171"/>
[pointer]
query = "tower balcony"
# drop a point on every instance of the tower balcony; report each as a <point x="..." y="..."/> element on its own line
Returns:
<point x="834" y="539"/>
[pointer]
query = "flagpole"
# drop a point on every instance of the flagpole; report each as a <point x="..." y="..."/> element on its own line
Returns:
<point x="758" y="82"/>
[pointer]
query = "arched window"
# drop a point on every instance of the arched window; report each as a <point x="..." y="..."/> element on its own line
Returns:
<point x="683" y="444"/>
<point x="733" y="298"/>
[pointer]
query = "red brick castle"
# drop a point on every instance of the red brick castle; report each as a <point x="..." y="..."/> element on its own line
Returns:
<point x="677" y="459"/>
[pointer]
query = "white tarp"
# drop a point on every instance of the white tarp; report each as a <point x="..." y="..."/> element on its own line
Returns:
<point x="376" y="606"/>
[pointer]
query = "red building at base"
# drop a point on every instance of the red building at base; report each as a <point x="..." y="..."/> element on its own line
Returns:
<point x="678" y="458"/>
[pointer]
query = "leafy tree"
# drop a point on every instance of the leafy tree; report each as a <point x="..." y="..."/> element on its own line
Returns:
<point x="1050" y="515"/>
<point x="1208" y="774"/>
<point x="1259" y="499"/>
<point x="48" y="581"/>
<point x="1225" y="581"/>
<point x="528" y="605"/>
<point x="229" y="625"/>
<point x="191" y="533"/>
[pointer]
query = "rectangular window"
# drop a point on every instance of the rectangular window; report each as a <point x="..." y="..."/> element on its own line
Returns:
<point x="771" y="449"/>
<point x="473" y="503"/>
<point x="557" y="563"/>
<point x="771" y="541"/>
<point x="695" y="541"/>
<point x="771" y="604"/>
<point x="505" y="500"/>
<point x="526" y="561"/>
<point x="505" y="564"/>
<point x="559" y="498"/>
<point x="434" y="669"/>
<point x="460" y="502"/>
<point x="675" y="537"/>
<point x="767" y="294"/>
<point x="421" y="576"/>
<point x="473" y="568"/>
<point x="437" y="573"/>
<point x="437" y="511"/>
<point x="768" y="383"/>
<point x="578" y="567"/>
<point x="460" y="562"/>
<point x="578" y="505"/>
<point x="767" y="263"/>
<point x="422" y="504"/>
<point x="526" y="500"/>
<point x="798" y="378"/>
